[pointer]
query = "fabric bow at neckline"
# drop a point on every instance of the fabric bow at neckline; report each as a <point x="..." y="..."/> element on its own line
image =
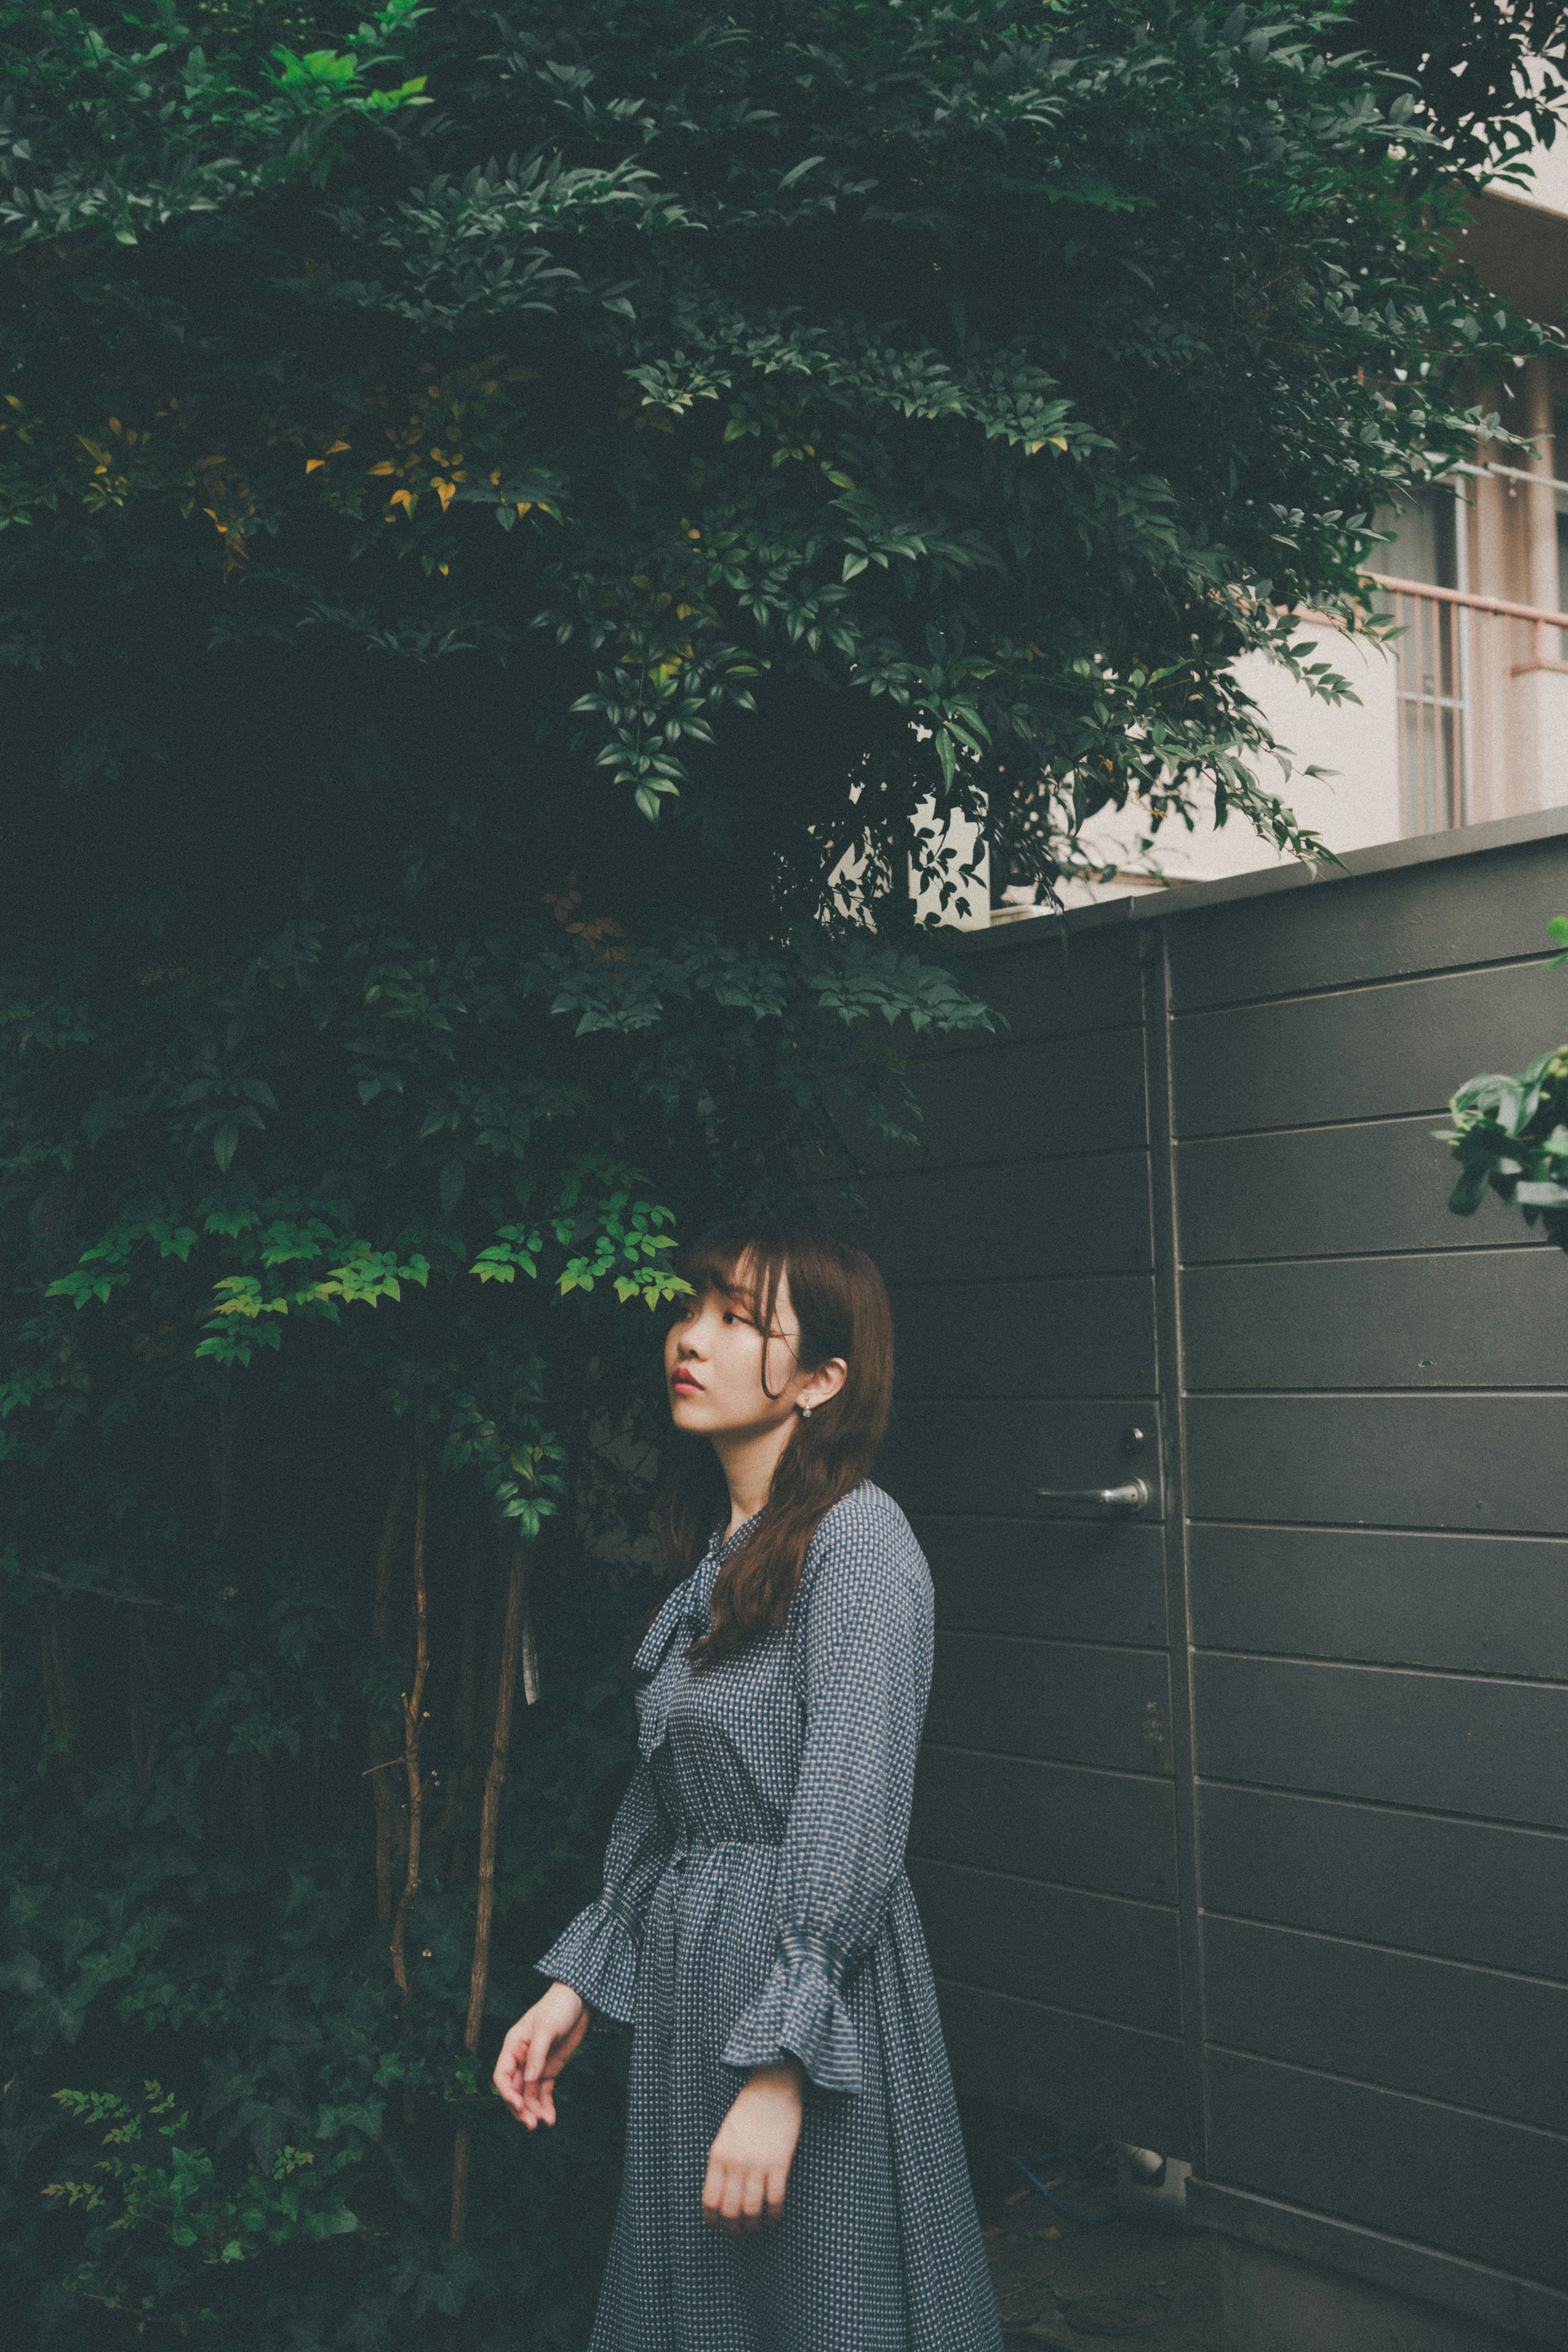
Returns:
<point x="690" y="1602"/>
<point x="687" y="1605"/>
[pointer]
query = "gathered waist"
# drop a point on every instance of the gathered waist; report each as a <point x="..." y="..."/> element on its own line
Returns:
<point x="691" y="1843"/>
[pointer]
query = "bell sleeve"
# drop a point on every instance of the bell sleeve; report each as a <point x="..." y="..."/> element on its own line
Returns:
<point x="865" y="1665"/>
<point x="597" y="1955"/>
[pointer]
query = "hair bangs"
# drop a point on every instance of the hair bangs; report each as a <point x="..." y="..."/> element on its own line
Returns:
<point x="746" y="1262"/>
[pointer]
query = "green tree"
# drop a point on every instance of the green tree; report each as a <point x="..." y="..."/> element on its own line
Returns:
<point x="786" y="414"/>
<point x="1490" y="80"/>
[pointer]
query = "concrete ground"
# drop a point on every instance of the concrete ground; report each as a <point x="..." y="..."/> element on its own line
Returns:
<point x="1059" y="2282"/>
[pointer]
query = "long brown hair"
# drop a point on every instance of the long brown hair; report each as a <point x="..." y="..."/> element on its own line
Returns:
<point x="840" y="1303"/>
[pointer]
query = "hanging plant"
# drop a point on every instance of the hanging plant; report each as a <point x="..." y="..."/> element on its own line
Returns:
<point x="1511" y="1136"/>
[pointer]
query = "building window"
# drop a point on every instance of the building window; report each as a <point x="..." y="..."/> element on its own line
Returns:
<point x="1433" y="661"/>
<point x="1425" y="545"/>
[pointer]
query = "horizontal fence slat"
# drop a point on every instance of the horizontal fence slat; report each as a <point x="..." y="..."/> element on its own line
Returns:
<point x="1053" y="1100"/>
<point x="1476" y="1891"/>
<point x="1447" y="1743"/>
<point x="1532" y="2313"/>
<point x="1319" y="1191"/>
<point x="1369" y="1052"/>
<point x="1053" y="1699"/>
<point x="1488" y="1604"/>
<point x="1493" y="1465"/>
<point x="1052" y="1943"/>
<point x="1053" y="986"/>
<point x="1073" y="2074"/>
<point x="1463" y="2035"/>
<point x="965" y="1225"/>
<point x="1077" y="1827"/>
<point x="1077" y="1581"/>
<point x="1465" y="911"/>
<point x="1029" y="1339"/>
<point x="1492" y="1319"/>
<point x="1493" y="2191"/>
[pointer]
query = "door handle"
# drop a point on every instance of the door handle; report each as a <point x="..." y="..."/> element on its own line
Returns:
<point x="1131" y="1496"/>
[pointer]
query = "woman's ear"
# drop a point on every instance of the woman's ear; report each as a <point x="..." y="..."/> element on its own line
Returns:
<point x="824" y="1382"/>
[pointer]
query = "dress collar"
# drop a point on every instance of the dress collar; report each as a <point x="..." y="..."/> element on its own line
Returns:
<point x="689" y="1604"/>
<point x="721" y="1547"/>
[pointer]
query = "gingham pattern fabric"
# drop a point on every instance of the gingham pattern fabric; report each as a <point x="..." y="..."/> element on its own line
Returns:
<point x="754" y="1901"/>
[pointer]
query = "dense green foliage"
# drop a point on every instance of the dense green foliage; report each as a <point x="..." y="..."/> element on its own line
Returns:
<point x="1490" y="78"/>
<point x="707" y="396"/>
<point x="509" y="524"/>
<point x="1509" y="1136"/>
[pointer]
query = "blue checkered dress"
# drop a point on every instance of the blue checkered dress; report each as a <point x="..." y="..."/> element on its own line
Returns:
<point x="754" y="1901"/>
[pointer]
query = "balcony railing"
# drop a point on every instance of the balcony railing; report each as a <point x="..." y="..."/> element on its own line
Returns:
<point x="1481" y="686"/>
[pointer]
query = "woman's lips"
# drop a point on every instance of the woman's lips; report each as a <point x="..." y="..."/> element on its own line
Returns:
<point x="684" y="1385"/>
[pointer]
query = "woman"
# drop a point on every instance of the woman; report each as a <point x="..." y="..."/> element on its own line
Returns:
<point x="794" y="2179"/>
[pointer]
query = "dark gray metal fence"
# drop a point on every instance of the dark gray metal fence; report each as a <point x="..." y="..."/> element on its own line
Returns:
<point x="1243" y="1823"/>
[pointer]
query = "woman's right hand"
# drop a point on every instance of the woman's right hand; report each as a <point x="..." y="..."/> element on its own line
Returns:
<point x="536" y="2050"/>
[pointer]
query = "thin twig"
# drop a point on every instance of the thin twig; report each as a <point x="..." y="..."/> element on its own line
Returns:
<point x="413" y="1717"/>
<point x="146" y="1707"/>
<point x="379" y="1626"/>
<point x="107" y="1592"/>
<point x="60" y="1690"/>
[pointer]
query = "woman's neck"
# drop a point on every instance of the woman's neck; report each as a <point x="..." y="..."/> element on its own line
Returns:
<point x="749" y="1461"/>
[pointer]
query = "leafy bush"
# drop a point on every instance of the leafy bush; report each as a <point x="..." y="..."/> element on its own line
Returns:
<point x="325" y="1270"/>
<point x="177" y="2191"/>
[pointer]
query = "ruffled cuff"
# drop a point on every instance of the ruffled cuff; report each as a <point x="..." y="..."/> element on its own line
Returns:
<point x="597" y="1957"/>
<point x="800" y="2012"/>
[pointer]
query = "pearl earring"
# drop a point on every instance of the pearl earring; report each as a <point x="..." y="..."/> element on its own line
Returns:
<point x="805" y="1408"/>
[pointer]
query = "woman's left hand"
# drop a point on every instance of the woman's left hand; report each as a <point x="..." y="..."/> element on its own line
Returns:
<point x="749" y="2161"/>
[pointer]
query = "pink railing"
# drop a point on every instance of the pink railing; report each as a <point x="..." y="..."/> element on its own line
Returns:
<point x="1477" y="738"/>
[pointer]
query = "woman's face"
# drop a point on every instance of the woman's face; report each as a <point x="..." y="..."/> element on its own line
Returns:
<point x="719" y="1367"/>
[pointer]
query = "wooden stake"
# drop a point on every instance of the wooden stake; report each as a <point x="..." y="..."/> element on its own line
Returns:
<point x="489" y="1821"/>
<point x="481" y="1544"/>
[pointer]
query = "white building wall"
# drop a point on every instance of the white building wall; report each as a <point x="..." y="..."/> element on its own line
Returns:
<point x="1549" y="179"/>
<point x="1548" y="171"/>
<point x="1354" y="807"/>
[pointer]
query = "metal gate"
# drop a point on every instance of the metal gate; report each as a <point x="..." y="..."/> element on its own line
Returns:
<point x="1242" y="1828"/>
